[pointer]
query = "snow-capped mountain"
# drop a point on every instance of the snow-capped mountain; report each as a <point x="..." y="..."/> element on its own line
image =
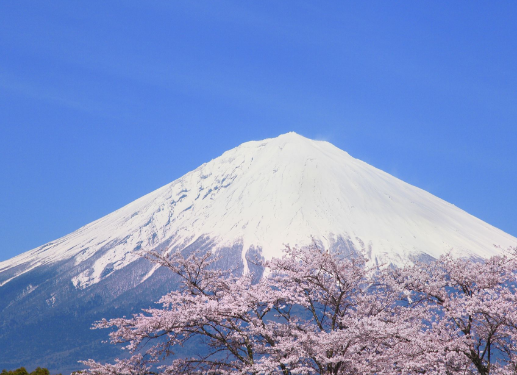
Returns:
<point x="250" y="201"/>
<point x="269" y="193"/>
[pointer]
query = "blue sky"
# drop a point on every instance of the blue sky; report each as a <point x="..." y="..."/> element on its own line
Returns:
<point x="102" y="102"/>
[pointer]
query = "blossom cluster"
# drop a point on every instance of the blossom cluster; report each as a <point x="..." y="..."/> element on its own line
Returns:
<point x="317" y="312"/>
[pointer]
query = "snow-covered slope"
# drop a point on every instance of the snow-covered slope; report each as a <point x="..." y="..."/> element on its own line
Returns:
<point x="265" y="194"/>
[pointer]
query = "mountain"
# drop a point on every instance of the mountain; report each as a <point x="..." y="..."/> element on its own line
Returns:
<point x="248" y="202"/>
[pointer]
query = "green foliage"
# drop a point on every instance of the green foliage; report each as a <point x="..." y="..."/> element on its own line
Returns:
<point x="23" y="371"/>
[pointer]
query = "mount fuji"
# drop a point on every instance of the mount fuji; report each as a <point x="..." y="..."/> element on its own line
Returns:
<point x="246" y="203"/>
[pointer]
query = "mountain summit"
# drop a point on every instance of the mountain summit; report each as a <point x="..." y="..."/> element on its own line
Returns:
<point x="264" y="194"/>
<point x="248" y="202"/>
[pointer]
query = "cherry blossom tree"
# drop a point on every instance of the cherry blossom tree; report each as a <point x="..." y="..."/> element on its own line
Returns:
<point x="317" y="312"/>
<point x="470" y="309"/>
<point x="314" y="312"/>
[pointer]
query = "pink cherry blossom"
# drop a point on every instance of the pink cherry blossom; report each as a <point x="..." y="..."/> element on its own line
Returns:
<point x="317" y="312"/>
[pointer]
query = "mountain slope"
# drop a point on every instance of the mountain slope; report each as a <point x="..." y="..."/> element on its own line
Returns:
<point x="248" y="202"/>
